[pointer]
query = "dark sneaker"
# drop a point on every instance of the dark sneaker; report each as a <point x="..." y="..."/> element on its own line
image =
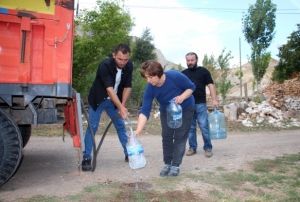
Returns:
<point x="86" y="165"/>
<point x="165" y="170"/>
<point x="174" y="171"/>
<point x="126" y="159"/>
<point x="208" y="153"/>
<point x="191" y="152"/>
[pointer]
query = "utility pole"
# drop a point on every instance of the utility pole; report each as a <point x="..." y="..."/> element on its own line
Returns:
<point x="240" y="74"/>
<point x="77" y="9"/>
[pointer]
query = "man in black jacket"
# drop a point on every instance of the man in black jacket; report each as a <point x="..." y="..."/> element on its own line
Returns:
<point x="109" y="92"/>
<point x="201" y="78"/>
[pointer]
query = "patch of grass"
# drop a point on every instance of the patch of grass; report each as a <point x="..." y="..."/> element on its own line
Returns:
<point x="234" y="180"/>
<point x="268" y="180"/>
<point x="167" y="183"/>
<point x="283" y="164"/>
<point x="40" y="198"/>
<point x="220" y="168"/>
<point x="225" y="180"/>
<point x="293" y="195"/>
<point x="264" y="181"/>
<point x="217" y="195"/>
<point x="99" y="192"/>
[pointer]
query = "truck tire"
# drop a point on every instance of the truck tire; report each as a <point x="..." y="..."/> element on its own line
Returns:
<point x="10" y="147"/>
<point x="25" y="133"/>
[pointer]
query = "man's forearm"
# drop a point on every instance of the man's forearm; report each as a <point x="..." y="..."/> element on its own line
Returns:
<point x="113" y="96"/>
<point x="125" y="96"/>
<point x="212" y="91"/>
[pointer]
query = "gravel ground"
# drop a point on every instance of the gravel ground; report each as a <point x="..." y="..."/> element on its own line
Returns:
<point x="50" y="166"/>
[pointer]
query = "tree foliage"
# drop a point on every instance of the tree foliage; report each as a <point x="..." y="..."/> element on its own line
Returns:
<point x="143" y="49"/>
<point x="259" y="65"/>
<point x="84" y="63"/>
<point x="219" y="70"/>
<point x="210" y="63"/>
<point x="97" y="32"/>
<point x="289" y="57"/>
<point x="258" y="28"/>
<point x="223" y="84"/>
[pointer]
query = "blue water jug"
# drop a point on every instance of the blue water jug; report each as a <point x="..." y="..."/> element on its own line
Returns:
<point x="217" y="125"/>
<point x="135" y="152"/>
<point x="174" y="115"/>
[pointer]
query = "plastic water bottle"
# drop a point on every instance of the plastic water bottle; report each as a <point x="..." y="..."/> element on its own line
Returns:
<point x="135" y="152"/>
<point x="174" y="115"/>
<point x="217" y="126"/>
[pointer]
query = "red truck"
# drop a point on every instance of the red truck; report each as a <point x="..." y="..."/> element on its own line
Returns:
<point x="36" y="41"/>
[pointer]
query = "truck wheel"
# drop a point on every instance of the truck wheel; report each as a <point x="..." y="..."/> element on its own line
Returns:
<point x="10" y="147"/>
<point x="25" y="133"/>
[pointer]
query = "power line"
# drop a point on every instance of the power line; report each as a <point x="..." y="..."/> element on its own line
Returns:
<point x="229" y="10"/>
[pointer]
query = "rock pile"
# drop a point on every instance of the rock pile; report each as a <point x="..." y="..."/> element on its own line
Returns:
<point x="288" y="88"/>
<point x="277" y="112"/>
<point x="281" y="108"/>
<point x="266" y="114"/>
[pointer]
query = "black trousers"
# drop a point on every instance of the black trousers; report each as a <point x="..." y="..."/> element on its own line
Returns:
<point x="174" y="140"/>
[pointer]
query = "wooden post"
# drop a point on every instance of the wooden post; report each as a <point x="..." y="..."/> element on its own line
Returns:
<point x="246" y="91"/>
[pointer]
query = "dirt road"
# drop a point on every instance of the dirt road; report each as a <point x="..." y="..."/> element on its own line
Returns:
<point x="50" y="166"/>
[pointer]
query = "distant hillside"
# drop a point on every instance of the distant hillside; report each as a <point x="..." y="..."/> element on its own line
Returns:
<point x="164" y="62"/>
<point x="248" y="78"/>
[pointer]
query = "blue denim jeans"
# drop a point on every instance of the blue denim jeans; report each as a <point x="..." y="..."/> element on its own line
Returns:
<point x="200" y="117"/>
<point x="94" y="119"/>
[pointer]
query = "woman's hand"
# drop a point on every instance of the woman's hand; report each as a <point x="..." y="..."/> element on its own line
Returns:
<point x="179" y="99"/>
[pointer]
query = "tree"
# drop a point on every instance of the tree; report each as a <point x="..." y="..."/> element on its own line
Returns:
<point x="84" y="63"/>
<point x="98" y="31"/>
<point x="258" y="28"/>
<point x="210" y="63"/>
<point x="143" y="49"/>
<point x="223" y="84"/>
<point x="289" y="58"/>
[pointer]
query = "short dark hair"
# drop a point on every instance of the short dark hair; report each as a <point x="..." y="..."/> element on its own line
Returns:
<point x="124" y="48"/>
<point x="192" y="53"/>
<point x="151" y="68"/>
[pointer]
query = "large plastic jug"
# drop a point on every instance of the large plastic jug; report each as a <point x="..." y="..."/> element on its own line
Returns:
<point x="135" y="152"/>
<point x="217" y="125"/>
<point x="174" y="115"/>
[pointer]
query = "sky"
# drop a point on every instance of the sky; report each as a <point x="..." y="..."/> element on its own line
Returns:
<point x="203" y="26"/>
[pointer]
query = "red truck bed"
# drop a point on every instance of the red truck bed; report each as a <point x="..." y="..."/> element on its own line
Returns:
<point x="36" y="39"/>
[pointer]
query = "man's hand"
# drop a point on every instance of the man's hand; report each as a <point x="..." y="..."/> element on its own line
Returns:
<point x="215" y="102"/>
<point x="123" y="112"/>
